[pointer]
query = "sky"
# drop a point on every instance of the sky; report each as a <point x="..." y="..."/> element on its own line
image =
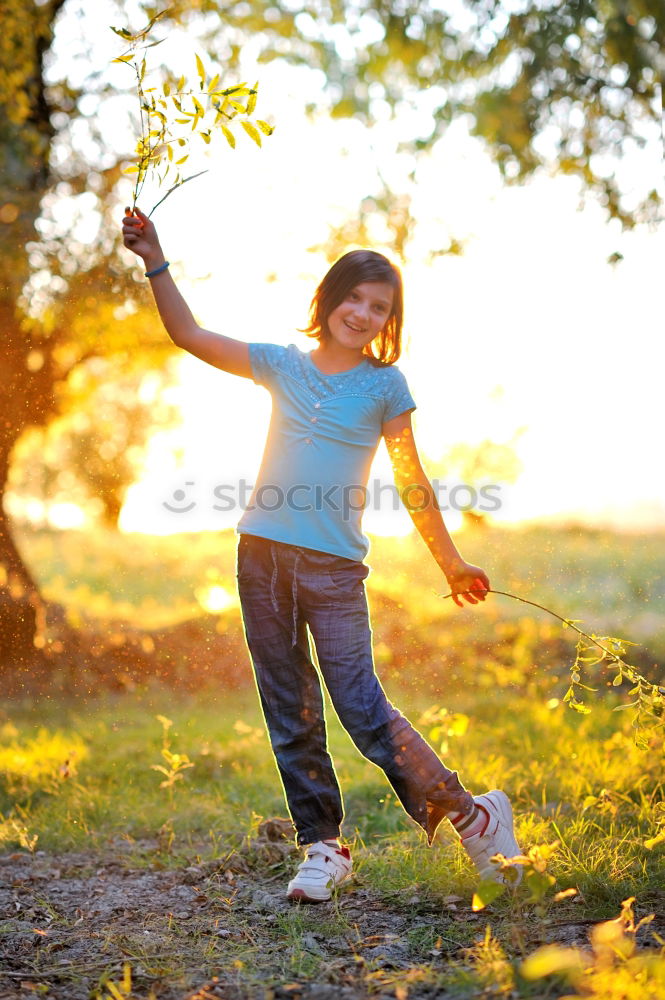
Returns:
<point x="530" y="331"/>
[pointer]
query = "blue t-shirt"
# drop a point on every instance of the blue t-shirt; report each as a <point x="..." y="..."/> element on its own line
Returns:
<point x="324" y="432"/>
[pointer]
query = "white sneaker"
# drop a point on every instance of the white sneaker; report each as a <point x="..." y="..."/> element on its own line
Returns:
<point x="498" y="838"/>
<point x="324" y="868"/>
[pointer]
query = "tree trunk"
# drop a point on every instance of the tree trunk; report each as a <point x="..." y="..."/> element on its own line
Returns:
<point x="28" y="376"/>
<point x="22" y="610"/>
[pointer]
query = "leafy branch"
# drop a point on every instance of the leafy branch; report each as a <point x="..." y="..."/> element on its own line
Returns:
<point x="201" y="112"/>
<point x="649" y="699"/>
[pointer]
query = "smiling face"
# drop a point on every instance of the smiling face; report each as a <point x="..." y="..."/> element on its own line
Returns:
<point x="361" y="315"/>
<point x="359" y="306"/>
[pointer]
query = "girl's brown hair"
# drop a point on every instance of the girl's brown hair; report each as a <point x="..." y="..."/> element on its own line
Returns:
<point x="353" y="269"/>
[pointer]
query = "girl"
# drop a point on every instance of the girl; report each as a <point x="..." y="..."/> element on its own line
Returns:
<point x="301" y="551"/>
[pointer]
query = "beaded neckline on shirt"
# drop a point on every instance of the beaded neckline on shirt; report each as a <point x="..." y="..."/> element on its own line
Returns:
<point x="334" y="374"/>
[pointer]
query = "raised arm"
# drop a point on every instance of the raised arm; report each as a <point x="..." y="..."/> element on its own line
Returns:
<point x="420" y="500"/>
<point x="230" y="355"/>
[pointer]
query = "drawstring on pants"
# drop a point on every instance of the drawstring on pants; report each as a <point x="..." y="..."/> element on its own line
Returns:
<point x="273" y="580"/>
<point x="294" y="591"/>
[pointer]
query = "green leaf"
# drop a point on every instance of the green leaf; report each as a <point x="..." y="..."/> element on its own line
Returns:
<point x="486" y="892"/>
<point x="539" y="883"/>
<point x="252" y="132"/>
<point x="201" y="70"/>
<point x="655" y="841"/>
<point x="157" y="17"/>
<point x="549" y="959"/>
<point x="458" y="724"/>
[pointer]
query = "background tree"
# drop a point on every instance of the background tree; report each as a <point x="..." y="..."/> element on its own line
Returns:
<point x="59" y="295"/>
<point x="93" y="453"/>
<point x="478" y="465"/>
<point x="572" y="85"/>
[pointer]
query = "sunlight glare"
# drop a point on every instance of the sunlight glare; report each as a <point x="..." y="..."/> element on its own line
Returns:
<point x="216" y="598"/>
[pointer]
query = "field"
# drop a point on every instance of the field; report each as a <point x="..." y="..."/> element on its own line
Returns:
<point x="120" y="880"/>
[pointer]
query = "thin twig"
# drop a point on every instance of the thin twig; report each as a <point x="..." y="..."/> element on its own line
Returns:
<point x="139" y="182"/>
<point x="626" y="668"/>
<point x="566" y="621"/>
<point x="171" y="190"/>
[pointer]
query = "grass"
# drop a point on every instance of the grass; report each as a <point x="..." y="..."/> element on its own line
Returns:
<point x="80" y="775"/>
<point x="612" y="581"/>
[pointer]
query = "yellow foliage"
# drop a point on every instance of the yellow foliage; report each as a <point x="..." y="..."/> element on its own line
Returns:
<point x="23" y="26"/>
<point x="614" y="970"/>
<point x="41" y="762"/>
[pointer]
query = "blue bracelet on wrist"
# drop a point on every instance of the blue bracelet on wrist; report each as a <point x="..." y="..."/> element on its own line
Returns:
<point x="158" y="270"/>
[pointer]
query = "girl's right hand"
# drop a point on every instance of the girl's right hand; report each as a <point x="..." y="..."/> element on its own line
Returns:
<point x="139" y="235"/>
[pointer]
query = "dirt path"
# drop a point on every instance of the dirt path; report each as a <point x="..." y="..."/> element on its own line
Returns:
<point x="219" y="929"/>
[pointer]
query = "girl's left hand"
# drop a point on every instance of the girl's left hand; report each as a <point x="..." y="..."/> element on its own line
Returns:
<point x="468" y="582"/>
